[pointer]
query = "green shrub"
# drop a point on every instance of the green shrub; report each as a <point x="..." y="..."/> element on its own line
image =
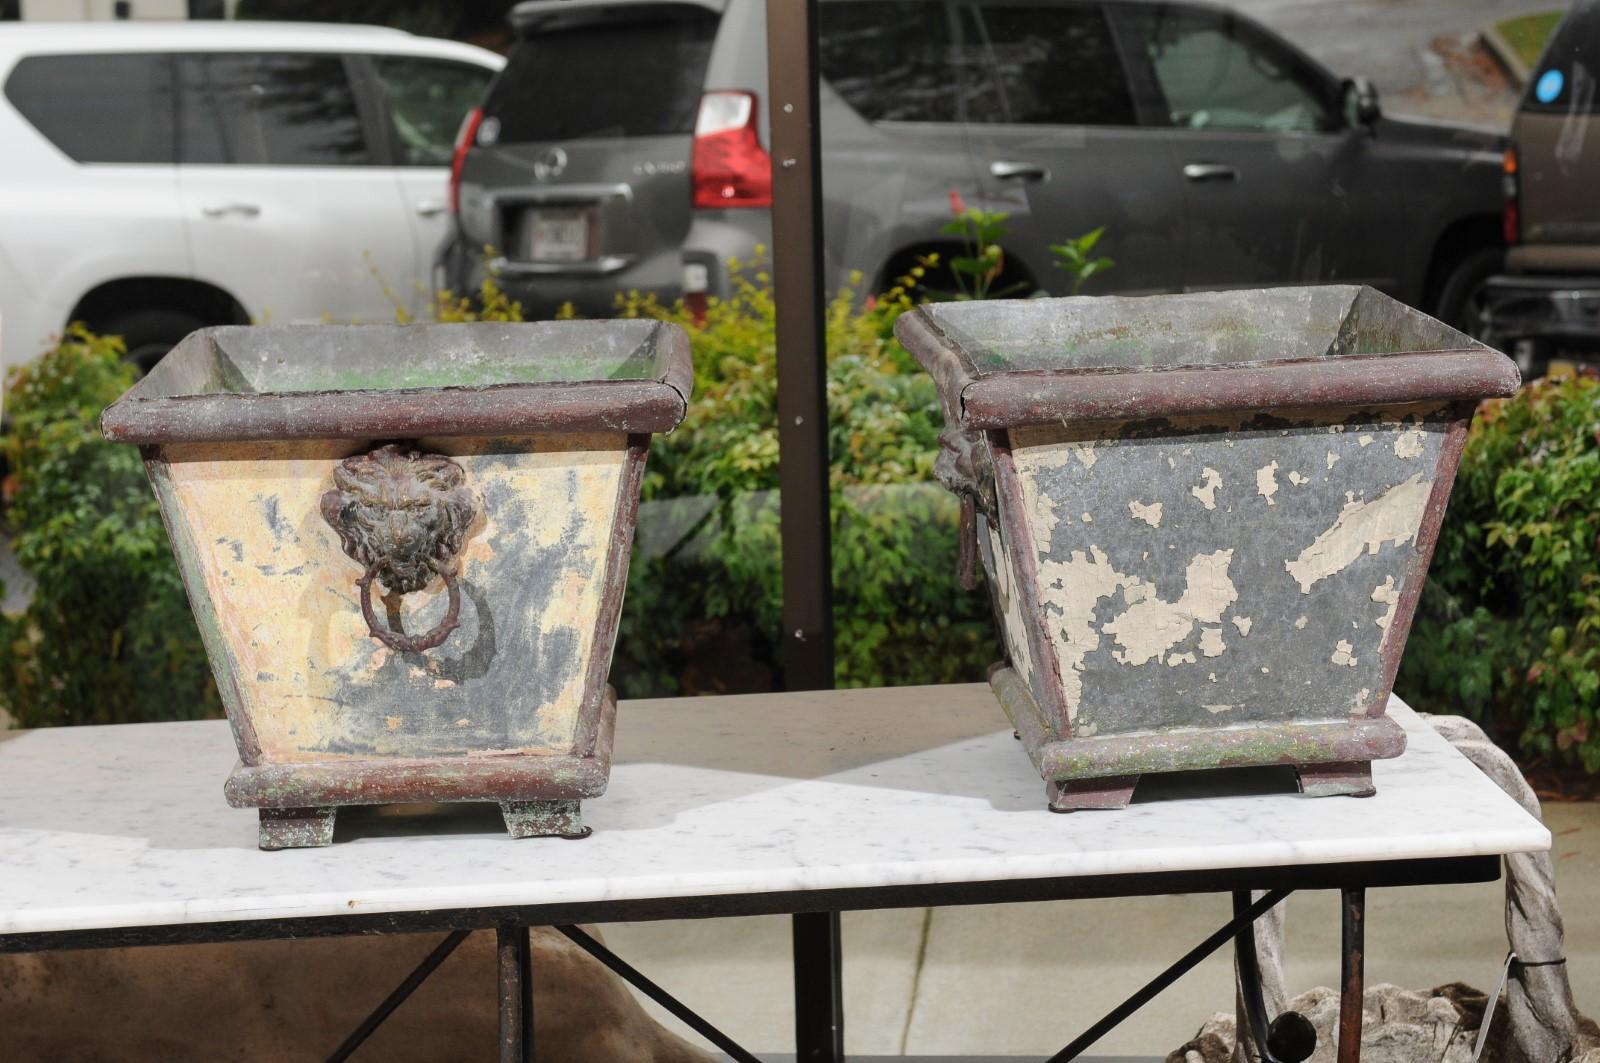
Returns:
<point x="107" y="636"/>
<point x="900" y="616"/>
<point x="1508" y="628"/>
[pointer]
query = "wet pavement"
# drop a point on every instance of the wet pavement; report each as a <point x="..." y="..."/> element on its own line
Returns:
<point x="1422" y="54"/>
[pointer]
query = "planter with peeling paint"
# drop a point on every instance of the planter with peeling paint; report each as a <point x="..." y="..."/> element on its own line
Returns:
<point x="406" y="548"/>
<point x="1205" y="519"/>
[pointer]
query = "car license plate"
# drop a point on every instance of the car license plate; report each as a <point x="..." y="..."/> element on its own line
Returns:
<point x="556" y="235"/>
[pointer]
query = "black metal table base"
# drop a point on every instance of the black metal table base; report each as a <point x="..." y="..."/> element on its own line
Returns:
<point x="819" y="994"/>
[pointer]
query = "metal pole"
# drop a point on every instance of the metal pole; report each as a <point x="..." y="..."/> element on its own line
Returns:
<point x="807" y="653"/>
<point x="1352" y="973"/>
<point x="802" y="360"/>
<point x="516" y="994"/>
<point x="818" y="988"/>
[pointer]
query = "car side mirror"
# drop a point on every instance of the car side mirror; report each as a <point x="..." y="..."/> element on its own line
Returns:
<point x="1360" y="102"/>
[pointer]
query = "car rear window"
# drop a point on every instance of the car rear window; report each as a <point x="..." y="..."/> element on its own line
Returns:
<point x="100" y="107"/>
<point x="1564" y="81"/>
<point x="608" y="72"/>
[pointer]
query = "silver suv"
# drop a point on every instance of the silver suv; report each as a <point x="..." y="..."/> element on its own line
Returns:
<point x="623" y="147"/>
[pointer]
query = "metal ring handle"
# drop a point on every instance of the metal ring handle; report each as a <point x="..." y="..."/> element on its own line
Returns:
<point x="411" y="643"/>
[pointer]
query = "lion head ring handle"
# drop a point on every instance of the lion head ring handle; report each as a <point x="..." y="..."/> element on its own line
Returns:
<point x="404" y="515"/>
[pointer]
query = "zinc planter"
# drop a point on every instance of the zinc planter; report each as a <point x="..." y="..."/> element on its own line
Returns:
<point x="1205" y="519"/>
<point x="406" y="548"/>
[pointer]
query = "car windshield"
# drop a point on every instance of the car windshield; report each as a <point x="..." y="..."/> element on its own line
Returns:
<point x="565" y="79"/>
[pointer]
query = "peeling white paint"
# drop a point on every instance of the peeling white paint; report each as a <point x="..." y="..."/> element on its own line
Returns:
<point x="1085" y="454"/>
<point x="1150" y="514"/>
<point x="1180" y="658"/>
<point x="1016" y="629"/>
<point x="1341" y="654"/>
<point x="1040" y="511"/>
<point x="1364" y="440"/>
<point x="1207" y="491"/>
<point x="1387" y="594"/>
<point x="1087" y="519"/>
<point x="1211" y="677"/>
<point x="1300" y="625"/>
<point x="1211" y="643"/>
<point x="1072" y="588"/>
<point x="1214" y="709"/>
<point x="1392" y="517"/>
<point x="1267" y="482"/>
<point x="1333" y="459"/>
<point x="1298" y="480"/>
<point x="1244" y="624"/>
<point x="1151" y="626"/>
<point x="1409" y="445"/>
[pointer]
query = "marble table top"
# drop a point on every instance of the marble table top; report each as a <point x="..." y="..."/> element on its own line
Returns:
<point x="125" y="826"/>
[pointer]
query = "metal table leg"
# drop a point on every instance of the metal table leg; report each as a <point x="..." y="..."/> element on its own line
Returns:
<point x="1352" y="975"/>
<point x="516" y="994"/>
<point x="818" y="988"/>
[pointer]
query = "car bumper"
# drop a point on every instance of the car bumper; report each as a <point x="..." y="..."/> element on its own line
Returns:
<point x="594" y="289"/>
<point x="1556" y="308"/>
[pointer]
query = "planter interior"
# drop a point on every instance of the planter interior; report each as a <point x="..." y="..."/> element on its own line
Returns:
<point x="531" y="463"/>
<point x="1205" y="519"/>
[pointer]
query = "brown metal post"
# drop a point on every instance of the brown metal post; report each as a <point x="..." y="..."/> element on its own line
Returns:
<point x="802" y="360"/>
<point x="1351" y="988"/>
<point x="516" y="994"/>
<point x="803" y="455"/>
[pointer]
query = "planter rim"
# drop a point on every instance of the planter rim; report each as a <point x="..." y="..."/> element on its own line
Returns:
<point x="168" y="407"/>
<point x="1010" y="398"/>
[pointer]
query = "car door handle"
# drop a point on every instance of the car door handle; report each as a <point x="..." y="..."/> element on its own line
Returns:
<point x="1210" y="171"/>
<point x="222" y="210"/>
<point x="429" y="208"/>
<point x="1018" y="171"/>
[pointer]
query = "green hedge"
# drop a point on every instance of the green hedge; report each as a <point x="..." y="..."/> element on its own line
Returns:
<point x="1508" y="628"/>
<point x="107" y="636"/>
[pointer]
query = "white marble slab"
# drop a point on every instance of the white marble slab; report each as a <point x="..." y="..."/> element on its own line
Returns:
<point x="126" y="826"/>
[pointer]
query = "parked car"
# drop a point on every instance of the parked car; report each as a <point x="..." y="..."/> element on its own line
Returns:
<point x="1548" y="300"/>
<point x="624" y="147"/>
<point x="160" y="177"/>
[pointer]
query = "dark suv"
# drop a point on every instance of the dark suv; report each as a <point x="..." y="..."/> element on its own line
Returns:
<point x="623" y="147"/>
<point x="1548" y="300"/>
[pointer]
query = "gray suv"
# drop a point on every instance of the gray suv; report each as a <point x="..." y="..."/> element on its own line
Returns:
<point x="623" y="147"/>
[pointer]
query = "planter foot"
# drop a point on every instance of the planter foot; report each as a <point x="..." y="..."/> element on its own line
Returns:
<point x="544" y="819"/>
<point x="1076" y="795"/>
<point x="296" y="828"/>
<point x="1342" y="779"/>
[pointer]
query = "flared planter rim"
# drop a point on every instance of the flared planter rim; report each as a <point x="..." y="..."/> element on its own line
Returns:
<point x="181" y="402"/>
<point x="978" y="398"/>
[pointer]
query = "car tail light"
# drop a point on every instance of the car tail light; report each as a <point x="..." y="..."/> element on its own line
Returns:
<point x="464" y="139"/>
<point x="1511" y="216"/>
<point x="729" y="167"/>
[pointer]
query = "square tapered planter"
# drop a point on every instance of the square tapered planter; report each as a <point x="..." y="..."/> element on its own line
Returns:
<point x="1205" y="519"/>
<point x="406" y="548"/>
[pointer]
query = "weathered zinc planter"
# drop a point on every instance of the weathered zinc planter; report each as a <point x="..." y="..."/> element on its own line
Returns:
<point x="1205" y="519"/>
<point x="406" y="548"/>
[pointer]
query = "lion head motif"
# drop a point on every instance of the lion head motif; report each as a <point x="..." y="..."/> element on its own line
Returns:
<point x="402" y="514"/>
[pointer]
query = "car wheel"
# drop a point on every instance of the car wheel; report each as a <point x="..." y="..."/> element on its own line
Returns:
<point x="1458" y="303"/>
<point x="150" y="334"/>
